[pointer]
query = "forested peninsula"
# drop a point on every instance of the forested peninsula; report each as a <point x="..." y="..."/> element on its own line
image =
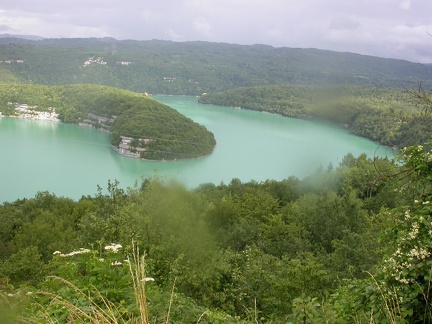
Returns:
<point x="140" y="126"/>
<point x="392" y="117"/>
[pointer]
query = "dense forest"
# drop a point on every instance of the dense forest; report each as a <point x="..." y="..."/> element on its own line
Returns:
<point x="349" y="244"/>
<point x="393" y="117"/>
<point x="155" y="131"/>
<point x="193" y="68"/>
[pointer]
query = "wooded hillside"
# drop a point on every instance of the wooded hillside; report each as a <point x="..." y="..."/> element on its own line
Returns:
<point x="192" y="68"/>
<point x="392" y="117"/>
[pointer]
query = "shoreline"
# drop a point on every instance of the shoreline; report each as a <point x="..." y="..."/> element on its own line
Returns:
<point x="131" y="155"/>
<point x="117" y="149"/>
<point x="32" y="118"/>
<point x="311" y="119"/>
<point x="25" y="111"/>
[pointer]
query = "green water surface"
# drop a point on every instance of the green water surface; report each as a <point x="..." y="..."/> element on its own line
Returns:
<point x="72" y="161"/>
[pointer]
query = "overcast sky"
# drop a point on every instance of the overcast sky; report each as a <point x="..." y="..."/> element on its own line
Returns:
<point x="386" y="28"/>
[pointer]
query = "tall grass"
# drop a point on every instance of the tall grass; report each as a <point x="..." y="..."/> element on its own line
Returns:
<point x="391" y="306"/>
<point x="98" y="309"/>
<point x="137" y="272"/>
<point x="92" y="313"/>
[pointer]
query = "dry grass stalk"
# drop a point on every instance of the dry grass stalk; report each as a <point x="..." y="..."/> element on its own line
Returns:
<point x="111" y="313"/>
<point x="137" y="271"/>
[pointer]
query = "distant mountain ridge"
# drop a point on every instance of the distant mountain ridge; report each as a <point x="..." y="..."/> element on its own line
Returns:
<point x="193" y="68"/>
<point x="29" y="37"/>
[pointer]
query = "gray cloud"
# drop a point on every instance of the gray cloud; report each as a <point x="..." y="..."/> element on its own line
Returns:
<point x="389" y="28"/>
<point x="343" y="22"/>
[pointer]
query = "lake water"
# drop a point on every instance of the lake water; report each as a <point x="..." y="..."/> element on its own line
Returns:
<point x="72" y="161"/>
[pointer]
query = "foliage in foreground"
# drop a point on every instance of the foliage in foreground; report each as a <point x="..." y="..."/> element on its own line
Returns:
<point x="348" y="244"/>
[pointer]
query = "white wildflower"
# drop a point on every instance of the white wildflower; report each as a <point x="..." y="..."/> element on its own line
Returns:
<point x="414" y="231"/>
<point x="80" y="251"/>
<point x="116" y="263"/>
<point x="113" y="247"/>
<point x="148" y="279"/>
<point x="414" y="253"/>
<point x="424" y="253"/>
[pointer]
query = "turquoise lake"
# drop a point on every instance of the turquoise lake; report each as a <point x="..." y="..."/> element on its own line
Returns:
<point x="71" y="161"/>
